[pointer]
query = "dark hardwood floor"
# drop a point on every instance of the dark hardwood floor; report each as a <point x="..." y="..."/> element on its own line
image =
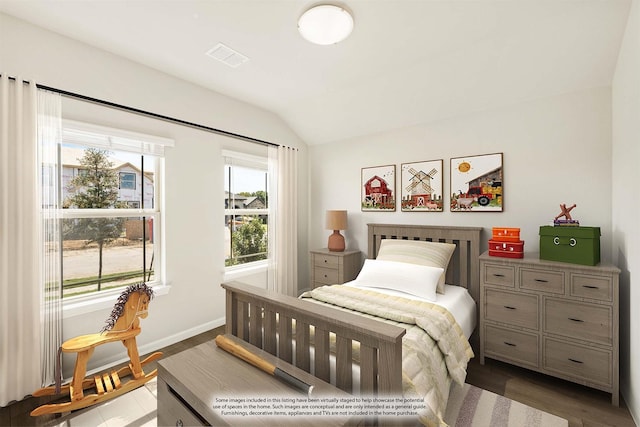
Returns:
<point x="581" y="406"/>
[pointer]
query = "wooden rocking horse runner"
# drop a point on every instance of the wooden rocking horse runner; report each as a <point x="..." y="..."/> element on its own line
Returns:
<point x="122" y="325"/>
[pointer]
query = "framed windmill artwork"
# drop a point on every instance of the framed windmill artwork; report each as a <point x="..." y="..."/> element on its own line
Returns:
<point x="378" y="189"/>
<point x="477" y="183"/>
<point x="421" y="186"/>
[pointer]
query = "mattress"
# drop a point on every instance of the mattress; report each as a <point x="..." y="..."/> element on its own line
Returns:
<point x="456" y="299"/>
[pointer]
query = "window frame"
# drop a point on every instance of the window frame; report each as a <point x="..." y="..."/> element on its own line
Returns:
<point x="122" y="174"/>
<point x="114" y="139"/>
<point x="239" y="159"/>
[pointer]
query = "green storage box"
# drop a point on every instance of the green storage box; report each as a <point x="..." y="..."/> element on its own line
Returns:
<point x="577" y="245"/>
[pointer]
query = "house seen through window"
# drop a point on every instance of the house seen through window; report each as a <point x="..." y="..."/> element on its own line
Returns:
<point x="246" y="211"/>
<point x="110" y="218"/>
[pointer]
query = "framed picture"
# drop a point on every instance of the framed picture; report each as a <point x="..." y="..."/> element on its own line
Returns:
<point x="421" y="186"/>
<point x="477" y="183"/>
<point x="378" y="189"/>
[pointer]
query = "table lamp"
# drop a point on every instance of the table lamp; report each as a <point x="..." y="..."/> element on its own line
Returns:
<point x="336" y="221"/>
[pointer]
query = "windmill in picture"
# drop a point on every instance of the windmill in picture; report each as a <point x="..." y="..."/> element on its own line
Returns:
<point x="419" y="193"/>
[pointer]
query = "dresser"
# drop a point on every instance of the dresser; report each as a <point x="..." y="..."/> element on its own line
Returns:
<point x="333" y="268"/>
<point x="552" y="317"/>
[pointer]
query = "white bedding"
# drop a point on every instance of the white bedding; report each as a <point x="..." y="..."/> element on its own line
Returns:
<point x="456" y="299"/>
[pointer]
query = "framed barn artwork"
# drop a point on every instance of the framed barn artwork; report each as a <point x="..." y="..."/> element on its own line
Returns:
<point x="477" y="183"/>
<point x="421" y="186"/>
<point x="378" y="189"/>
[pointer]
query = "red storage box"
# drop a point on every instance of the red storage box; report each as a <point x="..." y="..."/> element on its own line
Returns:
<point x="506" y="249"/>
<point x="506" y="234"/>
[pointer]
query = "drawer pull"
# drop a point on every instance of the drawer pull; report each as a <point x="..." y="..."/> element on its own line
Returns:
<point x="179" y="423"/>
<point x="509" y="307"/>
<point x="498" y="275"/>
<point x="575" y="320"/>
<point x="541" y="281"/>
<point x="325" y="261"/>
<point x="575" y="361"/>
<point x="510" y="344"/>
<point x="590" y="287"/>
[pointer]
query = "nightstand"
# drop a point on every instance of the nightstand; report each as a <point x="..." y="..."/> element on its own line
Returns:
<point x="333" y="268"/>
<point x="557" y="318"/>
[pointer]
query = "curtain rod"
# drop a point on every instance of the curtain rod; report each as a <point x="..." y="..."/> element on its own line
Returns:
<point x="150" y="114"/>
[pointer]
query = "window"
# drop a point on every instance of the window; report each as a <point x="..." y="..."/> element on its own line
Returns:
<point x="110" y="234"/>
<point x="246" y="209"/>
<point x="127" y="181"/>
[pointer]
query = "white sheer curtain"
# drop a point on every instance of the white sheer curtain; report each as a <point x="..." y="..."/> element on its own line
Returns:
<point x="283" y="224"/>
<point x="19" y="245"/>
<point x="49" y="137"/>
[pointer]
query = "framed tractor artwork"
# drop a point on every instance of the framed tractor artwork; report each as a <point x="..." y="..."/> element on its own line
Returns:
<point x="477" y="183"/>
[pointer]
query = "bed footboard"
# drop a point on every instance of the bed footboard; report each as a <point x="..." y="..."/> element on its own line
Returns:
<point x="274" y="322"/>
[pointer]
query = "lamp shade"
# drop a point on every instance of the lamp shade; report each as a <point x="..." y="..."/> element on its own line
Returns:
<point x="336" y="220"/>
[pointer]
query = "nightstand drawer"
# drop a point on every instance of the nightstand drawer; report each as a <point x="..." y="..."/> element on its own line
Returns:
<point x="599" y="288"/>
<point x="326" y="261"/>
<point x="583" y="363"/>
<point x="511" y="308"/>
<point x="327" y="276"/>
<point x="514" y="345"/>
<point x="541" y="280"/>
<point x="578" y="320"/>
<point x="499" y="275"/>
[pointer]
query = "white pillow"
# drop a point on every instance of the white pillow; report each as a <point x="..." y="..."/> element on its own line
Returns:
<point x="433" y="254"/>
<point x="414" y="279"/>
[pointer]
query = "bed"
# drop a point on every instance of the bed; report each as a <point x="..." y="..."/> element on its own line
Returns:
<point x="333" y="342"/>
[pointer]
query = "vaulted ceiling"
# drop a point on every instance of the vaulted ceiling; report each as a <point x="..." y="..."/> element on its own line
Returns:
<point x="407" y="61"/>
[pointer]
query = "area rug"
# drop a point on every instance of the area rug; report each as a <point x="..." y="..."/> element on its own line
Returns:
<point x="470" y="406"/>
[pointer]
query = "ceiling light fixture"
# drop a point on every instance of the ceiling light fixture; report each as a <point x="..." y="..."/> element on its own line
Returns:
<point x="325" y="24"/>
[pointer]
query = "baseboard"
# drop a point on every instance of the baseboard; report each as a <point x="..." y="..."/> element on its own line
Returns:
<point x="628" y="396"/>
<point x="108" y="362"/>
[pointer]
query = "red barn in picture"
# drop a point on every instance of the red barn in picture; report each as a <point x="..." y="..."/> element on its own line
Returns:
<point x="378" y="193"/>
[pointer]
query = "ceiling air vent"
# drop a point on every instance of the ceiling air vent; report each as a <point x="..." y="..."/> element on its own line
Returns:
<point x="227" y="56"/>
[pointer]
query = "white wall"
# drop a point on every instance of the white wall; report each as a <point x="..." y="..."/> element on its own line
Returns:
<point x="626" y="220"/>
<point x="194" y="211"/>
<point x="555" y="150"/>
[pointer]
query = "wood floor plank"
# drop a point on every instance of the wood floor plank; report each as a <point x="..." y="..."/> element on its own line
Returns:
<point x="581" y="406"/>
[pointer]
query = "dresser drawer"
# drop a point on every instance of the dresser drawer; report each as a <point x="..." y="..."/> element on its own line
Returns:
<point x="171" y="409"/>
<point x="599" y="288"/>
<point x="542" y="280"/>
<point x="583" y="363"/>
<point x="326" y="261"/>
<point x="517" y="346"/>
<point x="327" y="276"/>
<point x="499" y="275"/>
<point x="511" y="308"/>
<point x="578" y="320"/>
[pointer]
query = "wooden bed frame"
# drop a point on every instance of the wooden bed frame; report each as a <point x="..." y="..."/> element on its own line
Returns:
<point x="274" y="322"/>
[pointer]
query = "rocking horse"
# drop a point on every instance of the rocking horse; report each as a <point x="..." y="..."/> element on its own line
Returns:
<point x="122" y="325"/>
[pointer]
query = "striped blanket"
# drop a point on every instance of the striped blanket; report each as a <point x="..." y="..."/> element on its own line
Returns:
<point x="435" y="350"/>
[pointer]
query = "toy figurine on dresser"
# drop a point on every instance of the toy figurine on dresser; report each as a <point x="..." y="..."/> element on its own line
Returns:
<point x="567" y="241"/>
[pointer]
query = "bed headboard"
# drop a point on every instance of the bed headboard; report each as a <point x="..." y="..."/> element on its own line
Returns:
<point x="464" y="267"/>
